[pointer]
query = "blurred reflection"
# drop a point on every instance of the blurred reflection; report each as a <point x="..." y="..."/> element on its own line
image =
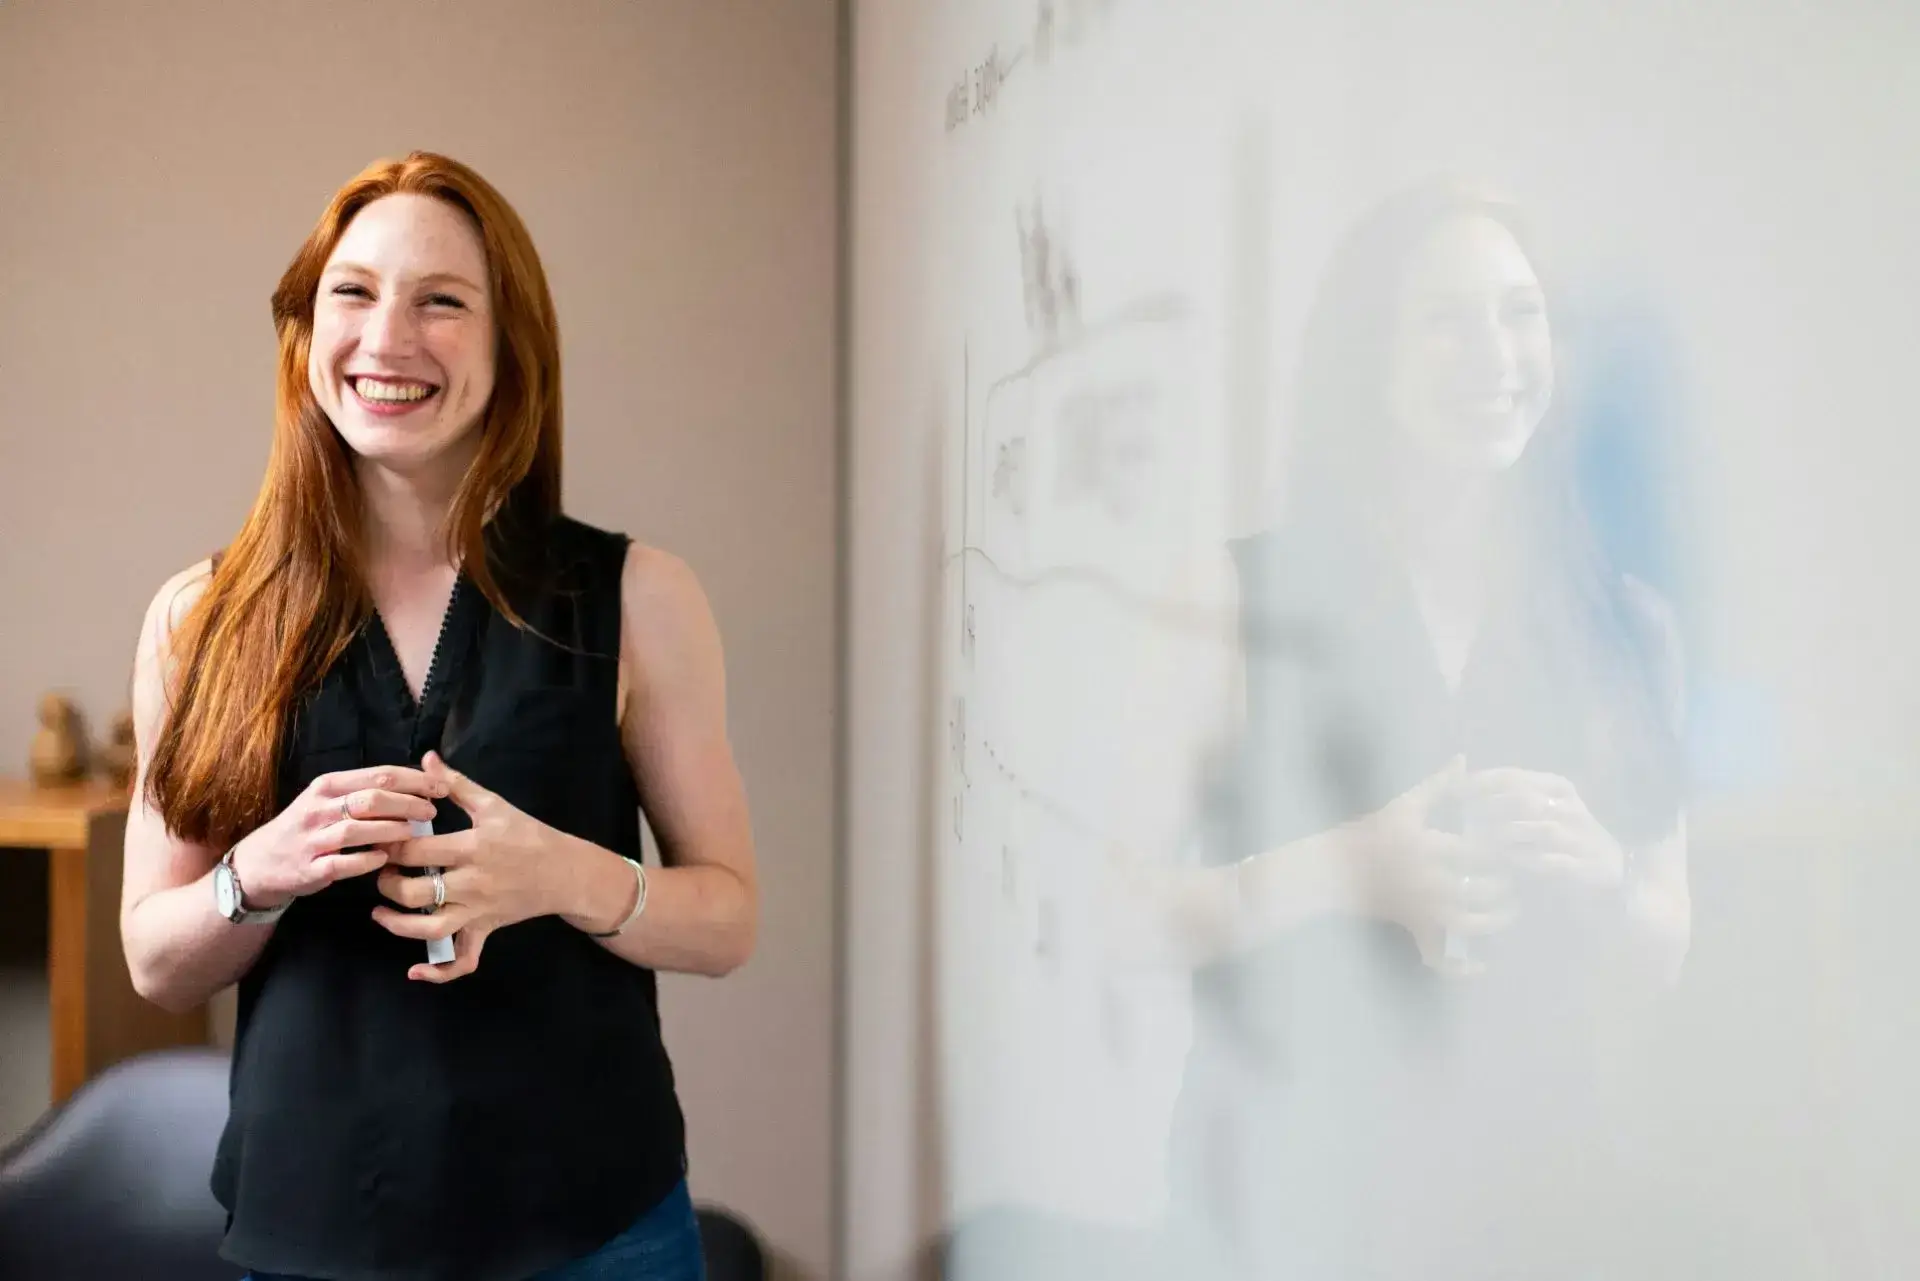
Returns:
<point x="1455" y="824"/>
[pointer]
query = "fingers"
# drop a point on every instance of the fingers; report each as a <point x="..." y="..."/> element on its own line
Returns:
<point x="1435" y="786"/>
<point x="1464" y="888"/>
<point x="1479" y="902"/>
<point x="1454" y="856"/>
<point x="414" y="925"/>
<point x="1518" y="807"/>
<point x="460" y="789"/>
<point x="1482" y="894"/>
<point x="450" y="849"/>
<point x="1592" y="869"/>
<point x="384" y="778"/>
<point x="370" y="802"/>
<point x="417" y="891"/>
<point x="466" y="958"/>
<point x="1488" y="783"/>
<point x="1528" y="836"/>
<point x="339" y="867"/>
<point x="353" y="833"/>
<point x="1480" y="924"/>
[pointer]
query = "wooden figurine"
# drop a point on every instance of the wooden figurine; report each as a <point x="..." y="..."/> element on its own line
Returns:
<point x="114" y="759"/>
<point x="57" y="756"/>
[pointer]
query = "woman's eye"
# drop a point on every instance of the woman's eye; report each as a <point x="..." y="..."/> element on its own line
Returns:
<point x="351" y="291"/>
<point x="444" y="300"/>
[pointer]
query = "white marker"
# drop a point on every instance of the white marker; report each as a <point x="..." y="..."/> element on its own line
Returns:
<point x="439" y="951"/>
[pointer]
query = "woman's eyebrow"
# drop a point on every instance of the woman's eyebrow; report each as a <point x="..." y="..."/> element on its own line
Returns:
<point x="450" y="277"/>
<point x="432" y="278"/>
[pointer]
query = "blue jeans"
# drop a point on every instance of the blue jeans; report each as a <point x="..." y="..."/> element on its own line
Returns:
<point x="661" y="1245"/>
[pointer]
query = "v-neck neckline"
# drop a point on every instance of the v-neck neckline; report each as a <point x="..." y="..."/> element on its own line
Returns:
<point x="442" y="658"/>
<point x="1450" y="666"/>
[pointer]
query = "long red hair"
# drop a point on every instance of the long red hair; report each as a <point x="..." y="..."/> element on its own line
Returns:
<point x="289" y="592"/>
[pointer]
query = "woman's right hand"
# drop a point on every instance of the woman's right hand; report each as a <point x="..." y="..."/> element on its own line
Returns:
<point x="1432" y="882"/>
<point x="319" y="838"/>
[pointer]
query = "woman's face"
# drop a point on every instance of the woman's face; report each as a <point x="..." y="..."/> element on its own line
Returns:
<point x="402" y="359"/>
<point x="1472" y="367"/>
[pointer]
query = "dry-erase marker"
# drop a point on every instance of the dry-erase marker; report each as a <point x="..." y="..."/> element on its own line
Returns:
<point x="439" y="951"/>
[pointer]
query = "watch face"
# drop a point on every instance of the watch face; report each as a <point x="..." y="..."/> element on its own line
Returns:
<point x="226" y="896"/>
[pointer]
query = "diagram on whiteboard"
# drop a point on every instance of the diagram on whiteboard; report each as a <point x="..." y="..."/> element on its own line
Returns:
<point x="1083" y="474"/>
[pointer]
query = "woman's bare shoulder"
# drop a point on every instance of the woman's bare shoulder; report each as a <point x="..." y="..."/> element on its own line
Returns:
<point x="167" y="610"/>
<point x="662" y="594"/>
<point x="177" y="597"/>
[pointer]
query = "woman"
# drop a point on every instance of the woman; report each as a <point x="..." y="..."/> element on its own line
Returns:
<point x="1455" y="814"/>
<point x="407" y="630"/>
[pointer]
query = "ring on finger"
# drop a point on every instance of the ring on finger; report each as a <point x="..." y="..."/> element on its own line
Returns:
<point x="346" y="807"/>
<point x="439" y="888"/>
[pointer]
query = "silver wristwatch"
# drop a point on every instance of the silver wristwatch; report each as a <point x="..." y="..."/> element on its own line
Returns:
<point x="231" y="900"/>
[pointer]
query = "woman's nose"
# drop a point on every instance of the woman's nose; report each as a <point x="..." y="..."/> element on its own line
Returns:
<point x="389" y="329"/>
<point x="1491" y="346"/>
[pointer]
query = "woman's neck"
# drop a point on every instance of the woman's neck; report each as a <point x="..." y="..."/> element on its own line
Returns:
<point x="405" y="520"/>
<point x="1447" y="526"/>
<point x="1445" y="519"/>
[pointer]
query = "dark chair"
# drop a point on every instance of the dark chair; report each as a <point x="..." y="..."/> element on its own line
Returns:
<point x="732" y="1248"/>
<point x="112" y="1184"/>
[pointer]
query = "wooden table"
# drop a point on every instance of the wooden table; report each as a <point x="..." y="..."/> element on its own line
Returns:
<point x="98" y="1019"/>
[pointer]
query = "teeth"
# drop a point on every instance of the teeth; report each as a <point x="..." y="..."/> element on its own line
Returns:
<point x="375" y="390"/>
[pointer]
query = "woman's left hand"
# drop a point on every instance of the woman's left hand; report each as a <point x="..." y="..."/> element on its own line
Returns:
<point x="1539" y="822"/>
<point x="492" y="871"/>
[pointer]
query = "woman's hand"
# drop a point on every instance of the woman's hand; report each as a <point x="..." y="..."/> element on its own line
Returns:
<point x="316" y="840"/>
<point x="1433" y="883"/>
<point x="1538" y="823"/>
<point x="496" y="874"/>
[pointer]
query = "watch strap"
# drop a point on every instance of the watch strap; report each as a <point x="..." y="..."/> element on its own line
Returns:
<point x="245" y="915"/>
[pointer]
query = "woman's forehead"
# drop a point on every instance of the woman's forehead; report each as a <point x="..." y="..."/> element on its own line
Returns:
<point x="1472" y="254"/>
<point x="408" y="234"/>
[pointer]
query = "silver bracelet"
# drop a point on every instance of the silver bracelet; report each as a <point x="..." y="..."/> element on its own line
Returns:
<point x="639" y="899"/>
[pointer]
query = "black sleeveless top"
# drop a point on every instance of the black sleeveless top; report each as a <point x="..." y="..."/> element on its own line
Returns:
<point x="1346" y="709"/>
<point x="383" y="1129"/>
<point x="1379" y="1118"/>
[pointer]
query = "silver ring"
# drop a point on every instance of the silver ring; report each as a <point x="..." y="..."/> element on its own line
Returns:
<point x="346" y="811"/>
<point x="439" y="888"/>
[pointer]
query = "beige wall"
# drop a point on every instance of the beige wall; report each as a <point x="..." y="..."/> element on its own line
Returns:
<point x="676" y="162"/>
<point x="893" y="1206"/>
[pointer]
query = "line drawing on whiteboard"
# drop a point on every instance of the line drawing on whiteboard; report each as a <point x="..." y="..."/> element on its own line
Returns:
<point x="1050" y="287"/>
<point x="1057" y="25"/>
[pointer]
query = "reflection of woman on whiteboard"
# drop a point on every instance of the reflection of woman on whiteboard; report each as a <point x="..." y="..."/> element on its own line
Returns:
<point x="1453" y="826"/>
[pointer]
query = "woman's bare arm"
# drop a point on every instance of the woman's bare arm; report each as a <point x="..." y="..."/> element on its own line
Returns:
<point x="1162" y="910"/>
<point x="180" y="950"/>
<point x="702" y="911"/>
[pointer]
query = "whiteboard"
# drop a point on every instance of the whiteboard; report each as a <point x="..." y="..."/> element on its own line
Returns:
<point x="1118" y="211"/>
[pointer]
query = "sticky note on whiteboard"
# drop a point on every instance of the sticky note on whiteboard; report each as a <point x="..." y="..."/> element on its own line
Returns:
<point x="439" y="951"/>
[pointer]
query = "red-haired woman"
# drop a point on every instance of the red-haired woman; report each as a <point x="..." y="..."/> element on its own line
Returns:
<point x="406" y="630"/>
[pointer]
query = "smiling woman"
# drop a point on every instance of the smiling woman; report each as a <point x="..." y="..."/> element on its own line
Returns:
<point x="1475" y="780"/>
<point x="412" y="701"/>
<point x="402" y="356"/>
